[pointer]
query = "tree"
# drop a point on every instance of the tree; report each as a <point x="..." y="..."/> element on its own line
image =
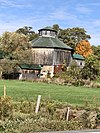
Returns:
<point x="16" y="49"/>
<point x="96" y="51"/>
<point x="56" y="27"/>
<point x="74" y="70"/>
<point x="28" y="32"/>
<point x="83" y="48"/>
<point x="72" y="36"/>
<point x="91" y="70"/>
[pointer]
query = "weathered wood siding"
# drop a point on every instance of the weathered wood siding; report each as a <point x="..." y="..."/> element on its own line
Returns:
<point x="29" y="74"/>
<point x="42" y="56"/>
<point x="61" y="56"/>
<point x="50" y="56"/>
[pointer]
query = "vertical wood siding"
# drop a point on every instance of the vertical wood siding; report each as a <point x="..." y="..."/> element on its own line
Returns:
<point x="45" y="56"/>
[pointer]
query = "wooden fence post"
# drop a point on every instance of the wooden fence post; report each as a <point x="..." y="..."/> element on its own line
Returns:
<point x="38" y="104"/>
<point x="68" y="113"/>
<point x="4" y="91"/>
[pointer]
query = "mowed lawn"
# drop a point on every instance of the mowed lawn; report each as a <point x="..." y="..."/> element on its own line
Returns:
<point x="19" y="90"/>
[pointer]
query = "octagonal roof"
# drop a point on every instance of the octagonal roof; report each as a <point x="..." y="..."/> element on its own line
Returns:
<point x="47" y="28"/>
<point x="49" y="42"/>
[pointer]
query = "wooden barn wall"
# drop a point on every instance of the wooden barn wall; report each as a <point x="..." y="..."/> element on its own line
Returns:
<point x="50" y="56"/>
<point x="42" y="56"/>
<point x="62" y="56"/>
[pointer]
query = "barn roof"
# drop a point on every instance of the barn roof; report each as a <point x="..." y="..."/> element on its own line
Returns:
<point x="30" y="66"/>
<point x="78" y="56"/>
<point x="47" y="28"/>
<point x="49" y="42"/>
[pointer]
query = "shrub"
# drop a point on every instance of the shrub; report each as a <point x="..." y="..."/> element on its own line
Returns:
<point x="51" y="117"/>
<point x="27" y="107"/>
<point x="91" y="70"/>
<point x="6" y="107"/>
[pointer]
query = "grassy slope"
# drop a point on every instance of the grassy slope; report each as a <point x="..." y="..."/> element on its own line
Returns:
<point x="73" y="95"/>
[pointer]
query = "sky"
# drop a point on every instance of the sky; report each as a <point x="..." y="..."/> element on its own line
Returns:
<point x="15" y="14"/>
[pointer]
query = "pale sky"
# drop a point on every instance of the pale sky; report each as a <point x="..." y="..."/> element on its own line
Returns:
<point x="41" y="13"/>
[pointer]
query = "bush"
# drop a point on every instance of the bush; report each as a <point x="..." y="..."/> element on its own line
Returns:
<point x="91" y="70"/>
<point x="51" y="116"/>
<point x="78" y="82"/>
<point x="27" y="107"/>
<point x="6" y="107"/>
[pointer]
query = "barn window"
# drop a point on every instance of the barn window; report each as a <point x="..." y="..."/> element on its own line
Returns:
<point x="52" y="33"/>
<point x="43" y="32"/>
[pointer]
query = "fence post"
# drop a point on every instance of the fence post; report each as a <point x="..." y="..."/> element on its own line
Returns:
<point x="38" y="103"/>
<point x="4" y="91"/>
<point x="68" y="113"/>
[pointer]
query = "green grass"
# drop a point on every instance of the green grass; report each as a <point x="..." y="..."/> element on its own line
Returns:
<point x="30" y="90"/>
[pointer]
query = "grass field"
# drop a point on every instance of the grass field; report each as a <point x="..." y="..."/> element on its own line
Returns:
<point x="19" y="90"/>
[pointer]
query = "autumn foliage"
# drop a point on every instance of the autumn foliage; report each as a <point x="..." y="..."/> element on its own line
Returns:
<point x="84" y="48"/>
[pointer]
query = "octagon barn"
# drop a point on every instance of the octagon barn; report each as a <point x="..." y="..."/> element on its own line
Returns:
<point x="49" y="52"/>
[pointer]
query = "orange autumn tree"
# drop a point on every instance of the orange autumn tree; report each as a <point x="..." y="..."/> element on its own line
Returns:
<point x="84" y="48"/>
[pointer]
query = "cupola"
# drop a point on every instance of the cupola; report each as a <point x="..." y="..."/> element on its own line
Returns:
<point x="47" y="32"/>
